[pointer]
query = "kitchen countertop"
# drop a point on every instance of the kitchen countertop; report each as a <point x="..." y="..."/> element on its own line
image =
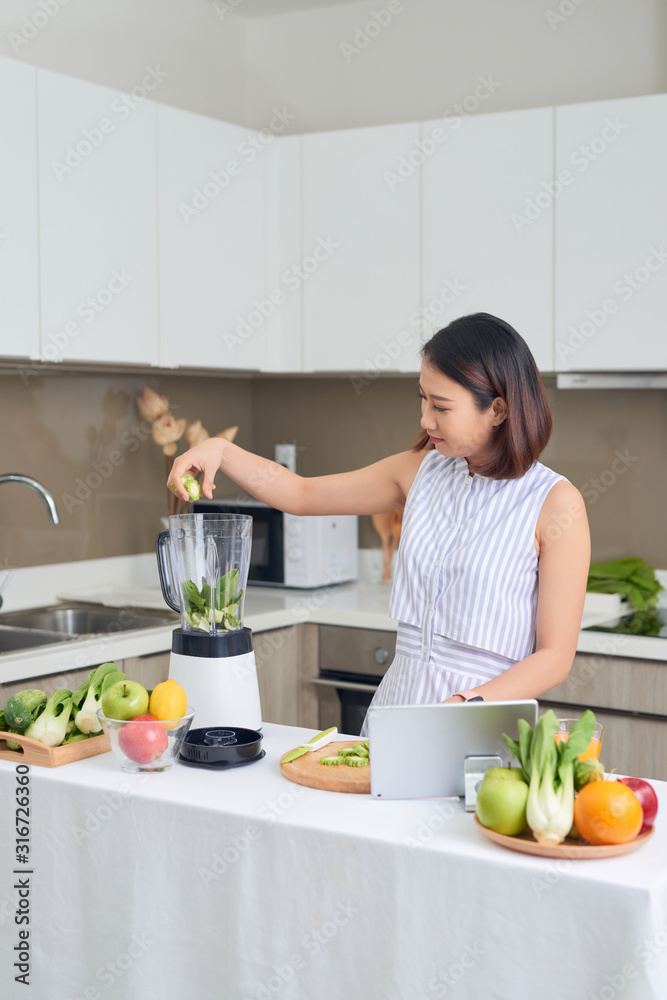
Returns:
<point x="281" y="889"/>
<point x="131" y="581"/>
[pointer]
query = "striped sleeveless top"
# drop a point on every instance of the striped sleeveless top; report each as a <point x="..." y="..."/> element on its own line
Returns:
<point x="466" y="566"/>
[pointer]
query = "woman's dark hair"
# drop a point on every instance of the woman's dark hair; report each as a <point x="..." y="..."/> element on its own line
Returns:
<point x="488" y="357"/>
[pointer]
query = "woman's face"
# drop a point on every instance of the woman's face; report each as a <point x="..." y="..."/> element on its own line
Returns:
<point x="451" y="419"/>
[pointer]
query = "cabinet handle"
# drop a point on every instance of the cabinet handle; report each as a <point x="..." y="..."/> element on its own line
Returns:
<point x="381" y="656"/>
<point x="343" y="685"/>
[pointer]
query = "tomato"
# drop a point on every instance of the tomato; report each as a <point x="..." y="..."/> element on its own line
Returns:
<point x="141" y="741"/>
<point x="647" y="797"/>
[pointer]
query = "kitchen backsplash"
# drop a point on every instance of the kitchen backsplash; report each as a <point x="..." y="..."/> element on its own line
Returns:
<point x="62" y="428"/>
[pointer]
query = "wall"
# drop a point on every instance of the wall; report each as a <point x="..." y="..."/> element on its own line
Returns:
<point x="611" y="445"/>
<point x="61" y="428"/>
<point x="331" y="72"/>
<point x="111" y="42"/>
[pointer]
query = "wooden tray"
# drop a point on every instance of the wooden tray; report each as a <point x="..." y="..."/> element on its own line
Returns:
<point x="579" y="849"/>
<point x="307" y="770"/>
<point x="35" y="752"/>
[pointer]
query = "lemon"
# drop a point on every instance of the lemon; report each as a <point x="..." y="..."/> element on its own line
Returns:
<point x="168" y="701"/>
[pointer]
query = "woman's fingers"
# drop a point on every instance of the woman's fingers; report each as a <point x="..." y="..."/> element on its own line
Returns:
<point x="193" y="462"/>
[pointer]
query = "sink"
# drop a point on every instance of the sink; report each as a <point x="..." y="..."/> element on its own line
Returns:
<point x="14" y="639"/>
<point x="85" y="619"/>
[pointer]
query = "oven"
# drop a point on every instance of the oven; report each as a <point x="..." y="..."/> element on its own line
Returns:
<point x="352" y="662"/>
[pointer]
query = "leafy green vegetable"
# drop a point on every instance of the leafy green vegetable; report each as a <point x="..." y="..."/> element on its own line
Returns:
<point x="219" y="607"/>
<point x="99" y="680"/>
<point x="631" y="577"/>
<point x="549" y="768"/>
<point x="50" y="726"/>
<point x="5" y="728"/>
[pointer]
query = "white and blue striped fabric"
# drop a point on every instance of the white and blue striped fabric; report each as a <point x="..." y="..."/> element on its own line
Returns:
<point x="465" y="580"/>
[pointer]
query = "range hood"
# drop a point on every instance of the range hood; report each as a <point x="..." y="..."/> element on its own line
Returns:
<point x="611" y="380"/>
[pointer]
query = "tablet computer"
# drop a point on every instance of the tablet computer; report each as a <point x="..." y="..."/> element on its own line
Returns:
<point x="418" y="751"/>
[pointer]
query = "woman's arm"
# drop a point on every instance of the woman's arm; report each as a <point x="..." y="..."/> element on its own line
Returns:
<point x="372" y="490"/>
<point x="564" y="547"/>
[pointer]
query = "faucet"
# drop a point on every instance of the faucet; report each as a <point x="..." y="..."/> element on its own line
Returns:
<point x="38" y="488"/>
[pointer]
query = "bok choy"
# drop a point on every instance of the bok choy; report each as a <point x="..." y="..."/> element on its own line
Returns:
<point x="548" y="767"/>
<point x="85" y="719"/>
<point x="50" y="726"/>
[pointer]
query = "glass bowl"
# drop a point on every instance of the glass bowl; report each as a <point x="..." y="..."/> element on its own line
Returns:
<point x="146" y="745"/>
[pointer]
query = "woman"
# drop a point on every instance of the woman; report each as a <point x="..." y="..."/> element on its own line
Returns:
<point x="492" y="565"/>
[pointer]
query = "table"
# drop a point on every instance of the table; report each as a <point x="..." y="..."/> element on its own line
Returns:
<point x="244" y="886"/>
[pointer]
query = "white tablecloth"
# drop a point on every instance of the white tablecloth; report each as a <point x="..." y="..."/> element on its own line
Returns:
<point x="241" y="885"/>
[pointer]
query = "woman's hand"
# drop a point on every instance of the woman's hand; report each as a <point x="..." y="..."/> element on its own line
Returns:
<point x="205" y="457"/>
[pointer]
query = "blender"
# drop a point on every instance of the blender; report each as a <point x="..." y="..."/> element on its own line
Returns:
<point x="203" y="562"/>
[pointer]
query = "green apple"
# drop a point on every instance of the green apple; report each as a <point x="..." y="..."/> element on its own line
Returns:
<point x="501" y="804"/>
<point x="125" y="700"/>
<point x="513" y="773"/>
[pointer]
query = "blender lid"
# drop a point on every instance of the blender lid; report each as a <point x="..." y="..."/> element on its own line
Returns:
<point x="221" y="746"/>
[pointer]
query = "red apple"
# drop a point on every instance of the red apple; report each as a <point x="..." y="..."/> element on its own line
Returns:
<point x="142" y="742"/>
<point x="647" y="798"/>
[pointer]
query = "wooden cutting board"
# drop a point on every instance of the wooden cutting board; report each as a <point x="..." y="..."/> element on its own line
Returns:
<point x="307" y="770"/>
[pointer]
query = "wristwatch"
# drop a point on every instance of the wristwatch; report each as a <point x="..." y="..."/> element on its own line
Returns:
<point x="469" y="695"/>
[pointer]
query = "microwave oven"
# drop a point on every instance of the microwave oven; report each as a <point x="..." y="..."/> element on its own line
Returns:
<point x="290" y="550"/>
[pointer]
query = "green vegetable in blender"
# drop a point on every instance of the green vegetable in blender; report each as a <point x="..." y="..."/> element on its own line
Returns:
<point x="106" y="674"/>
<point x="202" y="608"/>
<point x="50" y="726"/>
<point x="192" y="487"/>
<point x="549" y="769"/>
<point x="21" y="708"/>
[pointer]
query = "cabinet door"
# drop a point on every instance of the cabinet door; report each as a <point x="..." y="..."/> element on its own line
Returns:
<point x="19" y="264"/>
<point x="97" y="223"/>
<point x="360" y="270"/>
<point x="611" y="246"/>
<point x="213" y="296"/>
<point x="284" y="251"/>
<point x="484" y="249"/>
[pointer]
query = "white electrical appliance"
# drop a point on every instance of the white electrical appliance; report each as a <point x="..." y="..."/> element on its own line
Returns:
<point x="203" y="564"/>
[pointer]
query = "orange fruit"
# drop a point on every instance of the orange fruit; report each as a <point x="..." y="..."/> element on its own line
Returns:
<point x="168" y="701"/>
<point x="605" y="814"/>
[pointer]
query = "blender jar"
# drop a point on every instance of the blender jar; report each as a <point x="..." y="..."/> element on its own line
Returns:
<point x="203" y="562"/>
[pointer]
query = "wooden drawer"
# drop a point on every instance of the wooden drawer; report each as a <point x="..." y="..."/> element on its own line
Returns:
<point x="629" y="685"/>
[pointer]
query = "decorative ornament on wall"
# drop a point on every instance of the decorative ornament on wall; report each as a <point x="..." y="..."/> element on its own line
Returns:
<point x="167" y="431"/>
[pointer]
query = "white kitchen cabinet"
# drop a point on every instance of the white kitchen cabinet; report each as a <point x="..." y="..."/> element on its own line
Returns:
<point x="214" y="299"/>
<point x="484" y="248"/>
<point x="611" y="236"/>
<point x="284" y="251"/>
<point x="359" y="274"/>
<point x="19" y="254"/>
<point x="98" y="218"/>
